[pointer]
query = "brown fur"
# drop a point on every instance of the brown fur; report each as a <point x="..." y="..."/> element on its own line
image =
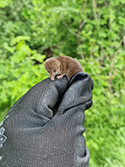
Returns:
<point x="63" y="65"/>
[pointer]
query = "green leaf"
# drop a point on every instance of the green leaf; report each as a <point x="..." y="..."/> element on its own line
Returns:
<point x="19" y="38"/>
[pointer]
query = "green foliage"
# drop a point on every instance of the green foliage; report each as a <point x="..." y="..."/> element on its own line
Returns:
<point x="19" y="71"/>
<point x="91" y="31"/>
<point x="105" y="121"/>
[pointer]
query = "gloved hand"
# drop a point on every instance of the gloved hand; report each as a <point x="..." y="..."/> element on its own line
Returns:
<point x="44" y="128"/>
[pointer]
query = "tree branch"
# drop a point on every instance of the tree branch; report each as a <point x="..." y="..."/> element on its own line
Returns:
<point x="81" y="24"/>
<point x="69" y="29"/>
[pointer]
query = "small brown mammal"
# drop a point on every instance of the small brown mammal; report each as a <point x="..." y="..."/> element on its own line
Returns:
<point x="63" y="65"/>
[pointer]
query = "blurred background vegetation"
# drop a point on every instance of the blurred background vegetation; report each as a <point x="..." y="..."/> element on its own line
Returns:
<point x="93" y="32"/>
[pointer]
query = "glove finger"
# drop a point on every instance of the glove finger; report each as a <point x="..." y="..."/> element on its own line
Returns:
<point x="35" y="108"/>
<point x="53" y="93"/>
<point x="79" y="92"/>
<point x="81" y="75"/>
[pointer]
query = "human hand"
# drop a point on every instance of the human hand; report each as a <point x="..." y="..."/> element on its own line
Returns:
<point x="45" y="126"/>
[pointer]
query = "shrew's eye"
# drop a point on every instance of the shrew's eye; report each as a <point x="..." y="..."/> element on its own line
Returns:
<point x="48" y="71"/>
<point x="54" y="70"/>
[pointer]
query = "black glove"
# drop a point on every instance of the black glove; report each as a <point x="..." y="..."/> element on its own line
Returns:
<point x="44" y="128"/>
